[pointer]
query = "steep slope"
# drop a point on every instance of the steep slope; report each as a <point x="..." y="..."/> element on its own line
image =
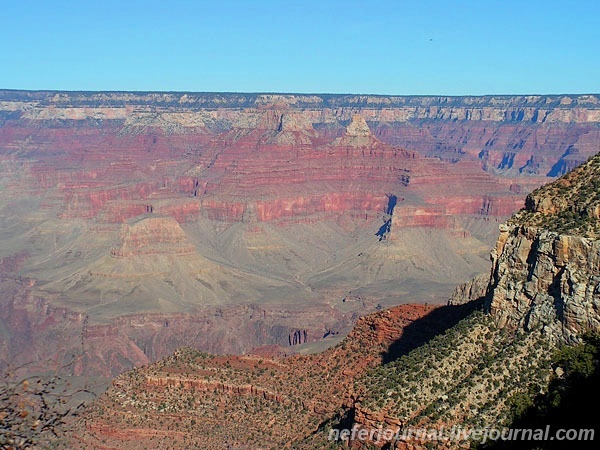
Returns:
<point x="543" y="291"/>
<point x="192" y="399"/>
<point x="546" y="262"/>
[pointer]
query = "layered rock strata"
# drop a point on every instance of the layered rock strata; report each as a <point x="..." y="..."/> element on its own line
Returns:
<point x="124" y="206"/>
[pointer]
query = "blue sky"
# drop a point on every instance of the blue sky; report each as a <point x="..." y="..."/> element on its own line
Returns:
<point x="420" y="47"/>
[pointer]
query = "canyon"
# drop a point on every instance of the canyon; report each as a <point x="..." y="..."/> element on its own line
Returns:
<point x="468" y="364"/>
<point x="133" y="224"/>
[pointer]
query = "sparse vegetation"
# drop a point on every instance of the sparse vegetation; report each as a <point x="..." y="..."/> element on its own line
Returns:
<point x="277" y="399"/>
<point x="472" y="366"/>
<point x="570" y="205"/>
<point x="575" y="381"/>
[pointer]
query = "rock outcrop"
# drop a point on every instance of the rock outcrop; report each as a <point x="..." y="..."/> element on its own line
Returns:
<point x="152" y="236"/>
<point x="546" y="280"/>
<point x="546" y="263"/>
<point x="474" y="289"/>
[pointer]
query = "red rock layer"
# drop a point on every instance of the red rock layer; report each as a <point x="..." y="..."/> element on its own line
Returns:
<point x="274" y="161"/>
<point x="307" y="388"/>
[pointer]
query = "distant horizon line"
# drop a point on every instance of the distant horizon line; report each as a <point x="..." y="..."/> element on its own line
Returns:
<point x="259" y="93"/>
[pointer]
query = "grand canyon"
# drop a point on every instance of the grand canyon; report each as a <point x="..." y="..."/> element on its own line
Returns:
<point x="263" y="247"/>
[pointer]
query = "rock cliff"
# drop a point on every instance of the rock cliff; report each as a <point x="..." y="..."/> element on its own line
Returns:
<point x="546" y="263"/>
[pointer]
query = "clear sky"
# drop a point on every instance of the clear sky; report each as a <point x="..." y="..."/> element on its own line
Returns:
<point x="418" y="47"/>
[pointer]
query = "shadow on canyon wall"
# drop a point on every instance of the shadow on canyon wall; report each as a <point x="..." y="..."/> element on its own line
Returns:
<point x="423" y="330"/>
